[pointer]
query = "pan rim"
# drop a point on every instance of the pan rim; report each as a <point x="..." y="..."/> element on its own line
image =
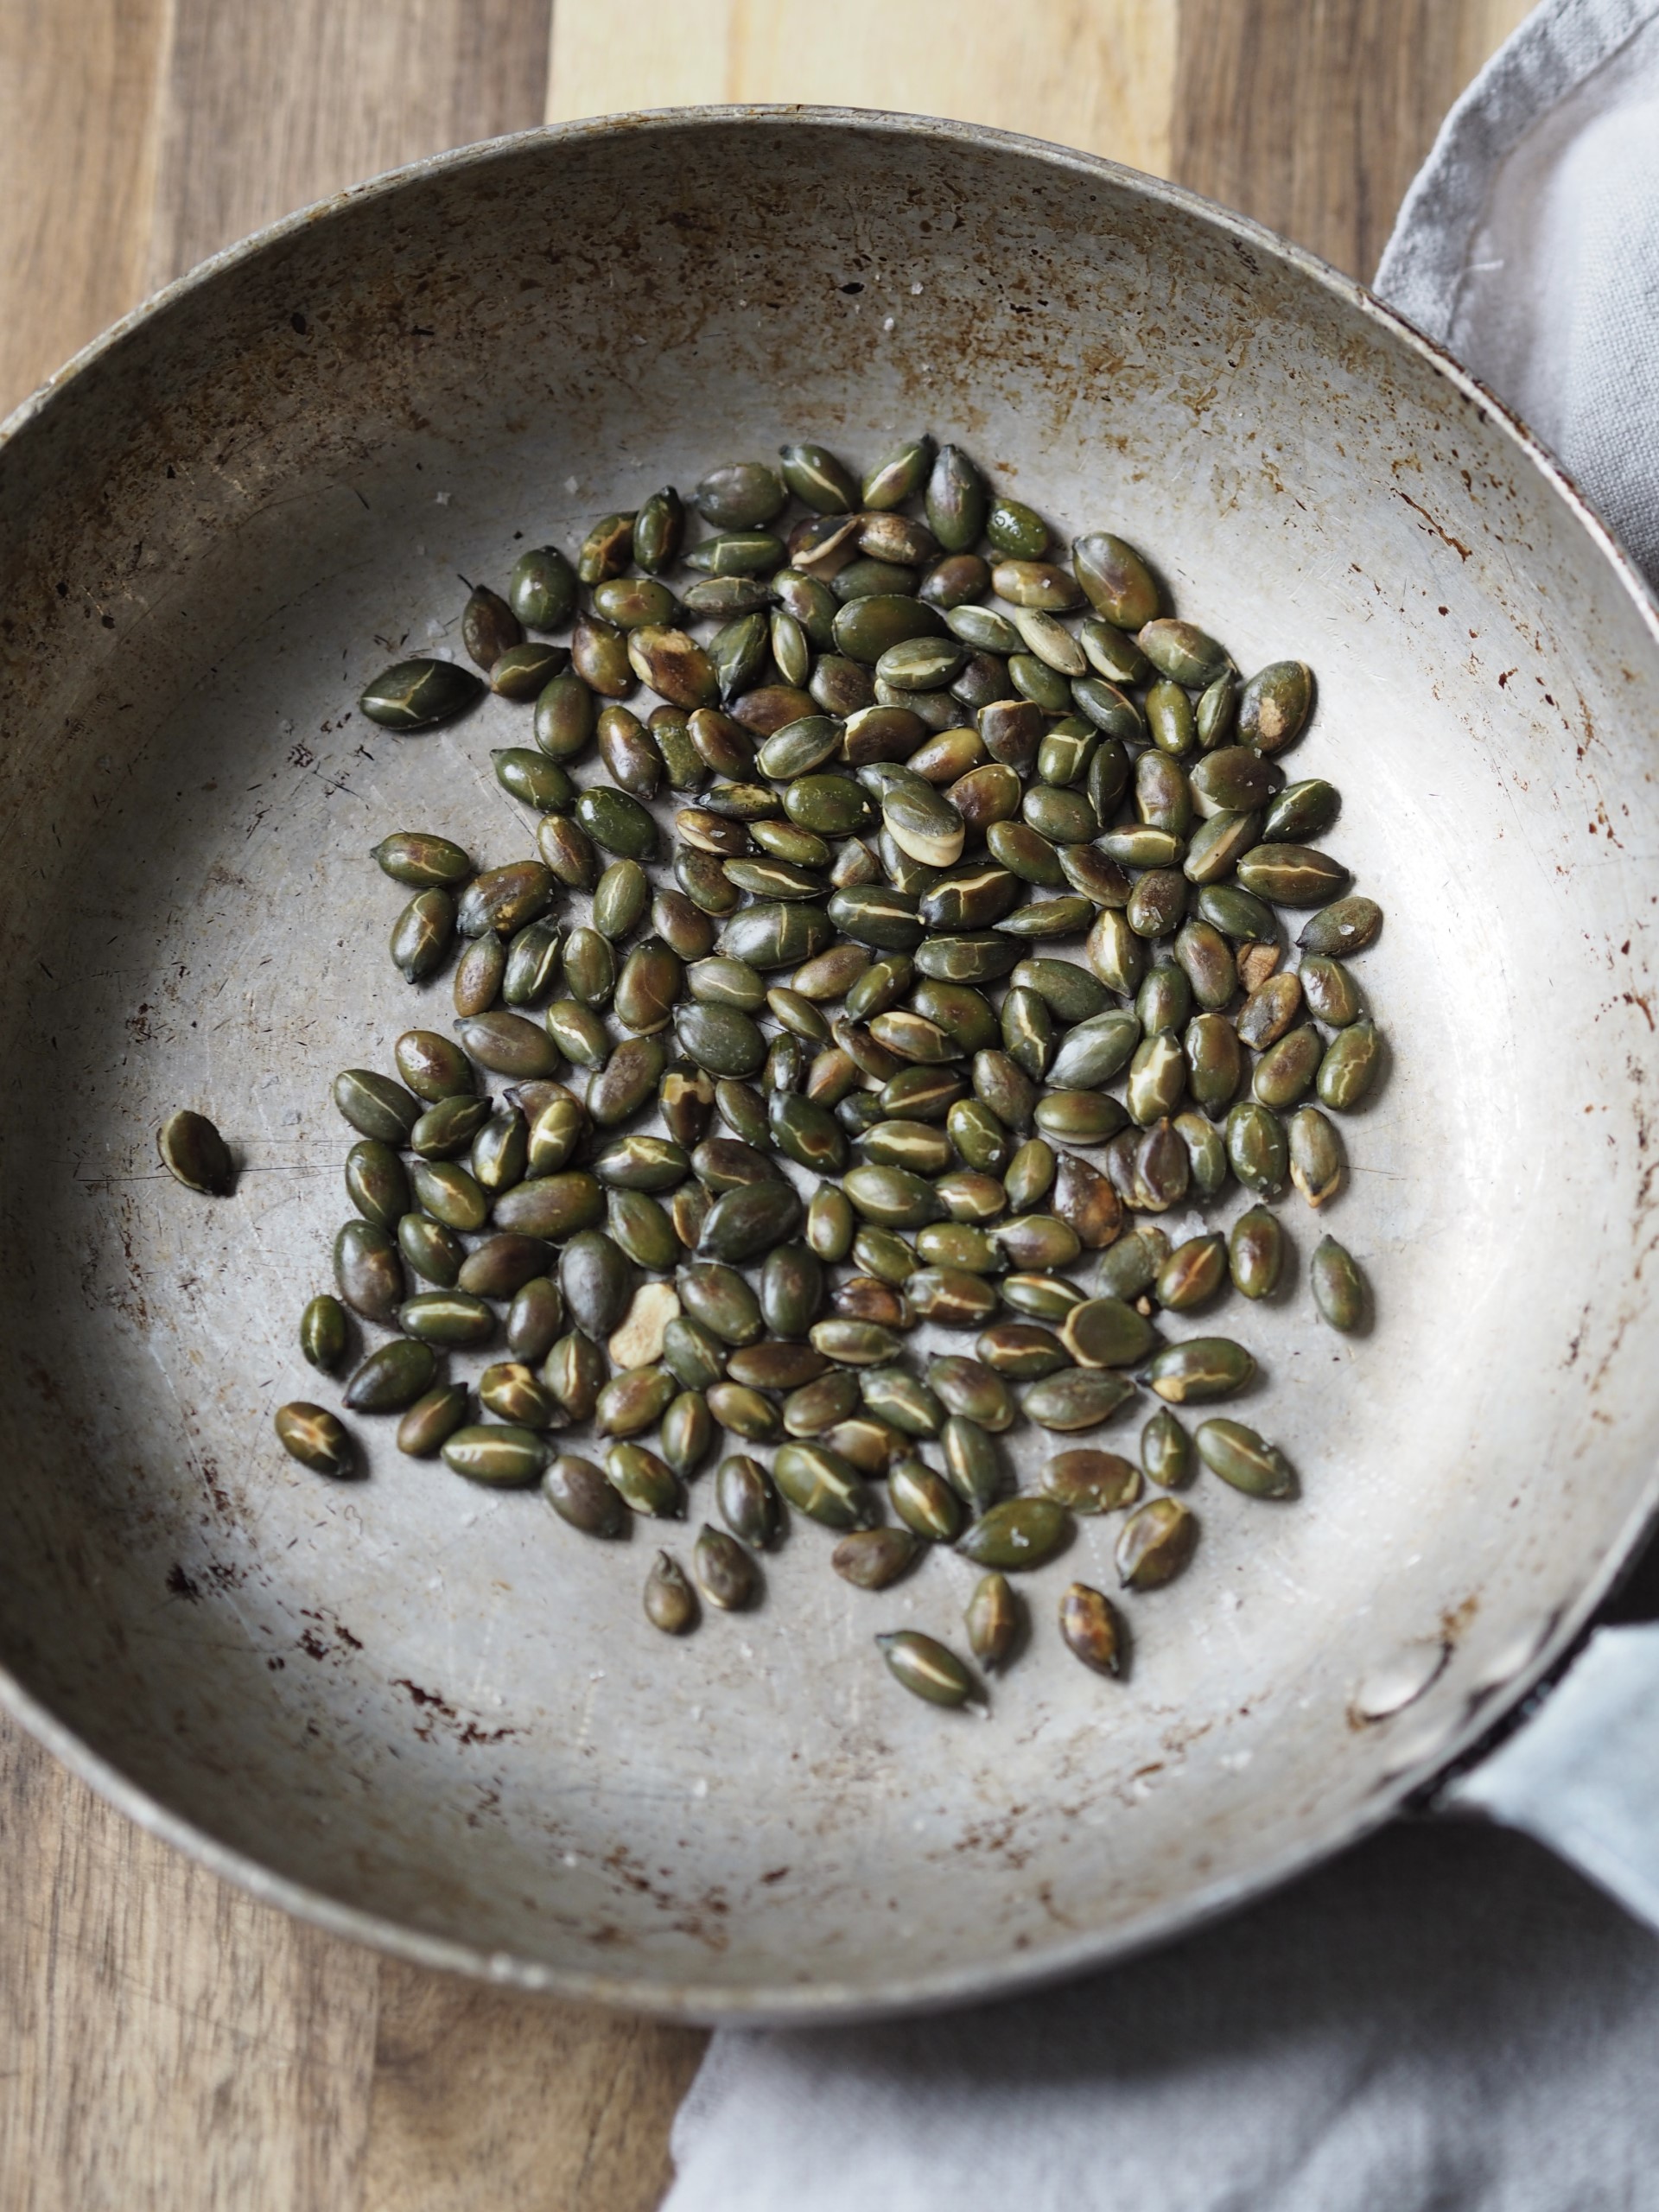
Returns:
<point x="713" y="2003"/>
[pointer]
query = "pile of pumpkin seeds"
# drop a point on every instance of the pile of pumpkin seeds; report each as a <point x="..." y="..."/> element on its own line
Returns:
<point x="966" y="968"/>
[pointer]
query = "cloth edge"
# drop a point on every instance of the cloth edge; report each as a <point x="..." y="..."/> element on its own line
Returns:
<point x="1539" y="65"/>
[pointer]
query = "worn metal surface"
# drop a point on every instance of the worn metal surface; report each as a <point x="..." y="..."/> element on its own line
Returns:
<point x="438" y="1718"/>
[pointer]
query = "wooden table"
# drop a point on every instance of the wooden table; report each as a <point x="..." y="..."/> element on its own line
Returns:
<point x="166" y="2041"/>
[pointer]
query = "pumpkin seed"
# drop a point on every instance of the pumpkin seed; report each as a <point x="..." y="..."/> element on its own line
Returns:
<point x="1199" y="1369"/>
<point x="580" y="1494"/>
<point x="1076" y="1398"/>
<point x="1165" y="1451"/>
<point x="926" y="1668"/>
<point x="1351" y="1064"/>
<point x="315" y="1437"/>
<point x="1091" y="1629"/>
<point x="871" y="1559"/>
<point x="419" y="694"/>
<point x="1340" y="1291"/>
<point x="432" y="1421"/>
<point x="670" y="1603"/>
<point x="1241" y="1457"/>
<point x="502" y="1458"/>
<point x="1155" y="1543"/>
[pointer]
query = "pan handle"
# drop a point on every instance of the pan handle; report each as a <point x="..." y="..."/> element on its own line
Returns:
<point x="1581" y="1772"/>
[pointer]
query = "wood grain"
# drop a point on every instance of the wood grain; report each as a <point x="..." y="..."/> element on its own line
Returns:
<point x="1095" y="74"/>
<point x="77" y="110"/>
<point x="1314" y="115"/>
<point x="164" y="2042"/>
<point x="266" y="106"/>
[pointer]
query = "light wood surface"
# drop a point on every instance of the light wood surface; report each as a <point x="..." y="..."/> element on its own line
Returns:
<point x="163" y="2042"/>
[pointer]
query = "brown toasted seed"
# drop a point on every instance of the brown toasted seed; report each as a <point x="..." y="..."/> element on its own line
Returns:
<point x="1155" y="1544"/>
<point x="670" y="1602"/>
<point x="994" y="1620"/>
<point x="726" y="1573"/>
<point x="870" y="1558"/>
<point x="1091" y="1628"/>
<point x="1092" y="1482"/>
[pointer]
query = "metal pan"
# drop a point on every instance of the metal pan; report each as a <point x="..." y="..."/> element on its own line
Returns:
<point x="436" y="1719"/>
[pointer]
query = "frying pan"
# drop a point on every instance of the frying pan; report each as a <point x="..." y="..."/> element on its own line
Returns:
<point x="434" y="1718"/>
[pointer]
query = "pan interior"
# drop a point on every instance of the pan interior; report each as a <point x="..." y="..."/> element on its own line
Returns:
<point x="440" y="1706"/>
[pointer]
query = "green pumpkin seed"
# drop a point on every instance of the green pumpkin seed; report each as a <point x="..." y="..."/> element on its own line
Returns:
<point x="565" y="717"/>
<point x="923" y="1501"/>
<point x="1076" y="1398"/>
<point x="1165" y="1451"/>
<point x="542" y="588"/>
<point x="1237" y="914"/>
<point x="420" y="935"/>
<point x="503" y="899"/>
<point x="419" y="694"/>
<point x="523" y="672"/>
<point x="1349" y="1065"/>
<point x="1255" y="1248"/>
<point x="617" y="823"/>
<point x="511" y="1392"/>
<point x="1330" y="991"/>
<point x="1194" y="1271"/>
<point x="1274" y="706"/>
<point x="377" y="1183"/>
<point x="375" y="1106"/>
<point x="312" y="1435"/>
<point x="866" y="627"/>
<point x="744" y="1224"/>
<point x="1019" y="1534"/>
<point x="830" y="1223"/>
<point x="1105" y="1332"/>
<point x="534" y="1319"/>
<point x="643" y="1480"/>
<point x="670" y="1603"/>
<point x="447" y="1317"/>
<point x="818" y="480"/>
<point x="1200" y="1370"/>
<point x="627" y="1406"/>
<point x="1155" y="1543"/>
<point x="819" y="1482"/>
<point x="423" y="860"/>
<point x="531" y="965"/>
<point x="1316" y="1155"/>
<point x="1292" y="875"/>
<point x="554" y="1206"/>
<point x="575" y="1372"/>
<point x="719" y="1038"/>
<point x="1303" y="811"/>
<point x="481" y="973"/>
<point x="432" y="1421"/>
<point x="391" y="1377"/>
<point x="900" y="474"/>
<point x="956" y="501"/>
<point x="323" y="1333"/>
<point x="777" y="934"/>
<point x="1346" y="927"/>
<point x="1181" y="652"/>
<point x="1340" y="1291"/>
<point x="508" y="1044"/>
<point x="871" y="1559"/>
<point x="1241" y="1457"/>
<point x="449" y="1127"/>
<point x="436" y="1252"/>
<point x="502" y="1458"/>
<point x="581" y="1496"/>
<point x="926" y="1668"/>
<point x="896" y="1396"/>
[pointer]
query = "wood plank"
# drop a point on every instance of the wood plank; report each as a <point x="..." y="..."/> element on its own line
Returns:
<point x="264" y="108"/>
<point x="77" y="100"/>
<point x="167" y="2041"/>
<point x="482" y="2099"/>
<point x="1314" y="115"/>
<point x="1094" y="74"/>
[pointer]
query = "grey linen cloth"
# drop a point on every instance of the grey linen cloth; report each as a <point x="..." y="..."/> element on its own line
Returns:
<point x="1447" y="2019"/>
